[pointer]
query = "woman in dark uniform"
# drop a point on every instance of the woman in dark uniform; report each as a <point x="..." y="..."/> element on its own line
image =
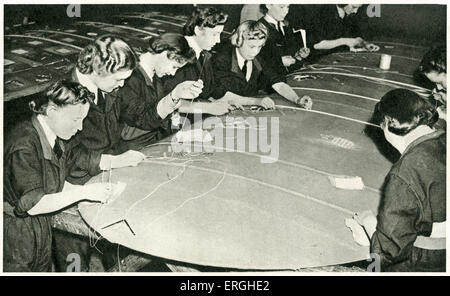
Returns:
<point x="284" y="47"/>
<point x="202" y="32"/>
<point x="241" y="74"/>
<point x="341" y="25"/>
<point x="145" y="109"/>
<point x="34" y="171"/>
<point x="409" y="231"/>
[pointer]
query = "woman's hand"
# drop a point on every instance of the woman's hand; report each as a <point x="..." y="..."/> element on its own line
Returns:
<point x="99" y="192"/>
<point x="303" y="53"/>
<point x="305" y="102"/>
<point x="267" y="103"/>
<point x="366" y="219"/>
<point x="129" y="158"/>
<point x="187" y="90"/>
<point x="288" y="61"/>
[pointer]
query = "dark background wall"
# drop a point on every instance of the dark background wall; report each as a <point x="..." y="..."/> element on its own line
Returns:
<point x="421" y="24"/>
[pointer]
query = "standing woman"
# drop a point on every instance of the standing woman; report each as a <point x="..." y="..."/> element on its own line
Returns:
<point x="409" y="232"/>
<point x="34" y="173"/>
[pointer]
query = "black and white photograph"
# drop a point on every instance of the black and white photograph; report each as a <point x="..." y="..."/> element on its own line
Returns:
<point x="224" y="138"/>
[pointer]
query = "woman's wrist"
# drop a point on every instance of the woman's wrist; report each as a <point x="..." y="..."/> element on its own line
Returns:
<point x="174" y="98"/>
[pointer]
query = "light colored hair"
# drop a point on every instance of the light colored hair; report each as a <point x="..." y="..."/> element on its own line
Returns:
<point x="249" y="30"/>
<point x="106" y="55"/>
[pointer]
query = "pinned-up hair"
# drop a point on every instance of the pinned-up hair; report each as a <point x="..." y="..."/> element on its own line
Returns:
<point x="61" y="93"/>
<point x="107" y="55"/>
<point x="208" y="17"/>
<point x="249" y="30"/>
<point x="434" y="60"/>
<point x="176" y="45"/>
<point x="404" y="110"/>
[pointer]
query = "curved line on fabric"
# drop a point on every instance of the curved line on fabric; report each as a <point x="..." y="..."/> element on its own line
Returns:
<point x="360" y="76"/>
<point x="329" y="114"/>
<point x="336" y="92"/>
<point x="44" y="39"/>
<point x="343" y="105"/>
<point x="379" y="53"/>
<point x="64" y="33"/>
<point x="336" y="207"/>
<point x="399" y="43"/>
<point x="363" y="68"/>
<point x="120" y="26"/>
<point x="288" y="163"/>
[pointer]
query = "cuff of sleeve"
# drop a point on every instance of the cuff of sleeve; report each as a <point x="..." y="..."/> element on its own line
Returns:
<point x="105" y="162"/>
<point x="165" y="107"/>
<point x="28" y="201"/>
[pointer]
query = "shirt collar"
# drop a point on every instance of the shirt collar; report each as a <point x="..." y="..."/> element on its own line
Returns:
<point x="341" y="12"/>
<point x="86" y="82"/>
<point x="271" y="20"/>
<point x="240" y="59"/>
<point x="49" y="134"/>
<point x="194" y="45"/>
<point x="147" y="71"/>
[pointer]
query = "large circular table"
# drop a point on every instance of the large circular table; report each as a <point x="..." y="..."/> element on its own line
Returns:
<point x="230" y="209"/>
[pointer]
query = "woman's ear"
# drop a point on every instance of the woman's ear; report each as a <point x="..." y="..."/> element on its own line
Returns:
<point x="197" y="31"/>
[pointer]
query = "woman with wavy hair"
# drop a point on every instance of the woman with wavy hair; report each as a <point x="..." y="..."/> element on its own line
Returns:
<point x="34" y="172"/>
<point x="409" y="232"/>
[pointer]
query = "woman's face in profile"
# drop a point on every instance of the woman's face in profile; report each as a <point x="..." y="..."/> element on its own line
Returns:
<point x="395" y="140"/>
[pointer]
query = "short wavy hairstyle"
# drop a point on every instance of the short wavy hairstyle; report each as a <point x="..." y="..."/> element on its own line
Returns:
<point x="107" y="55"/>
<point x="176" y="45"/>
<point x="206" y="17"/>
<point x="61" y="93"/>
<point x="249" y="30"/>
<point x="435" y="60"/>
<point x="403" y="110"/>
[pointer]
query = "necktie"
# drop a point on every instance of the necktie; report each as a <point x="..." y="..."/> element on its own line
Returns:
<point x="244" y="69"/>
<point x="201" y="63"/>
<point x="57" y="149"/>
<point x="279" y="28"/>
<point x="100" y="100"/>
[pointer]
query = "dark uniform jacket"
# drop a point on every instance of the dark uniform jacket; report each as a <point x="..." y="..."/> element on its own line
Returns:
<point x="279" y="45"/>
<point x="414" y="198"/>
<point x="201" y="68"/>
<point x="327" y="25"/>
<point x="30" y="170"/>
<point x="229" y="77"/>
<point x="133" y="105"/>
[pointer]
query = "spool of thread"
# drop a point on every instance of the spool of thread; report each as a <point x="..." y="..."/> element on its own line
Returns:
<point x="385" y="62"/>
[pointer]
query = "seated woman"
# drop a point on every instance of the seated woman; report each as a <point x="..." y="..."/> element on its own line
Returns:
<point x="408" y="233"/>
<point x="202" y="32"/>
<point x="143" y="107"/>
<point x="434" y="67"/>
<point x="340" y="25"/>
<point x="283" y="47"/>
<point x="34" y="170"/>
<point x="240" y="74"/>
<point x="102" y="67"/>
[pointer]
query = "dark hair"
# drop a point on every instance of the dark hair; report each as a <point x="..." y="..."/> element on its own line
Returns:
<point x="106" y="55"/>
<point x="263" y="8"/>
<point x="434" y="60"/>
<point x="404" y="110"/>
<point x="204" y="17"/>
<point x="61" y="93"/>
<point x="176" y="45"/>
